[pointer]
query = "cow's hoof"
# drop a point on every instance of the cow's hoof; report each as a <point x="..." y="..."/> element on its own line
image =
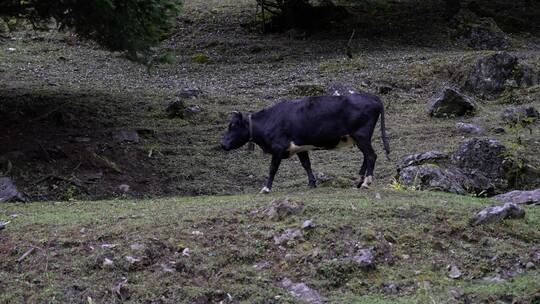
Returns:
<point x="265" y="190"/>
<point x="367" y="181"/>
<point x="312" y="185"/>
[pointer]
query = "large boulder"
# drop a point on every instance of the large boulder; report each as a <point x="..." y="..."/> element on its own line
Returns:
<point x="486" y="35"/>
<point x="451" y="103"/>
<point x="431" y="177"/>
<point x="483" y="158"/>
<point x="479" y="166"/>
<point x="520" y="114"/>
<point x="9" y="192"/>
<point x="490" y="74"/>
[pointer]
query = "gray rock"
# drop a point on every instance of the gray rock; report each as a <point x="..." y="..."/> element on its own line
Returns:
<point x="307" y="224"/>
<point x="302" y="292"/>
<point x="429" y="157"/>
<point x="469" y="128"/>
<point x="126" y="136"/>
<point x="365" y="258"/>
<point x="520" y="114"/>
<point x="124" y="188"/>
<point x="486" y="35"/>
<point x="9" y="192"/>
<point x="281" y="208"/>
<point x="432" y="177"/>
<point x="454" y="272"/>
<point x="288" y="236"/>
<point x="3" y="225"/>
<point x="498" y="213"/>
<point x="390" y="288"/>
<point x="451" y="103"/>
<point x="490" y="73"/>
<point x="483" y="159"/>
<point x="520" y="197"/>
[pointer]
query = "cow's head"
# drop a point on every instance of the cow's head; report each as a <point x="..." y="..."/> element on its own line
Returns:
<point x="237" y="134"/>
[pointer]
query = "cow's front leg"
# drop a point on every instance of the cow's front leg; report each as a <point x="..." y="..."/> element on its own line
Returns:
<point x="304" y="159"/>
<point x="274" y="166"/>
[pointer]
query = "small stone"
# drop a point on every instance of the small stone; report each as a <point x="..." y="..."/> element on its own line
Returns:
<point x="469" y="128"/>
<point x="365" y="258"/>
<point x="137" y="246"/>
<point x="377" y="196"/>
<point x="3" y="225"/>
<point x="457" y="293"/>
<point x="192" y="110"/>
<point x="302" y="292"/>
<point x="454" y="272"/>
<point x="132" y="260"/>
<point x="124" y="188"/>
<point x="529" y="265"/>
<point x="126" y="136"/>
<point x="288" y="236"/>
<point x="186" y="252"/>
<point x="107" y="263"/>
<point x="390" y="288"/>
<point x="405" y="256"/>
<point x="307" y="224"/>
<point x="108" y="246"/>
<point x="197" y="233"/>
<point x="11" y="49"/>
<point x="281" y="208"/>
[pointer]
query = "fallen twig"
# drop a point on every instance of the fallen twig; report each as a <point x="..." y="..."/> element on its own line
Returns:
<point x="27" y="253"/>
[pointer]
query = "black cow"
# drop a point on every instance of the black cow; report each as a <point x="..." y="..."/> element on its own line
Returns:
<point x="312" y="123"/>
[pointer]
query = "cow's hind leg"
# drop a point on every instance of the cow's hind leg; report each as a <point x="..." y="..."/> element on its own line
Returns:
<point x="368" y="164"/>
<point x="274" y="166"/>
<point x="304" y="159"/>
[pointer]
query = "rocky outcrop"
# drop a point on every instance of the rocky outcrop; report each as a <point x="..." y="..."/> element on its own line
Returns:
<point x="451" y="103"/>
<point x="479" y="166"/>
<point x="490" y="73"/>
<point x="9" y="192"/>
<point x="486" y="35"/>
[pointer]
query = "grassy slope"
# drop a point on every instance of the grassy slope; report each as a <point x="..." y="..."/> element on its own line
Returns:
<point x="246" y="71"/>
<point x="431" y="228"/>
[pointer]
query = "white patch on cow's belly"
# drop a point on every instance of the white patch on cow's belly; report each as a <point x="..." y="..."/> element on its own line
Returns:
<point x="293" y="149"/>
<point x="344" y="142"/>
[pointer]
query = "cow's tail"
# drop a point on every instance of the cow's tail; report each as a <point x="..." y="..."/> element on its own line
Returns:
<point x="383" y="134"/>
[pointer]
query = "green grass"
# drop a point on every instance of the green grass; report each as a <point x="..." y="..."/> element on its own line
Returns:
<point x="431" y="228"/>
